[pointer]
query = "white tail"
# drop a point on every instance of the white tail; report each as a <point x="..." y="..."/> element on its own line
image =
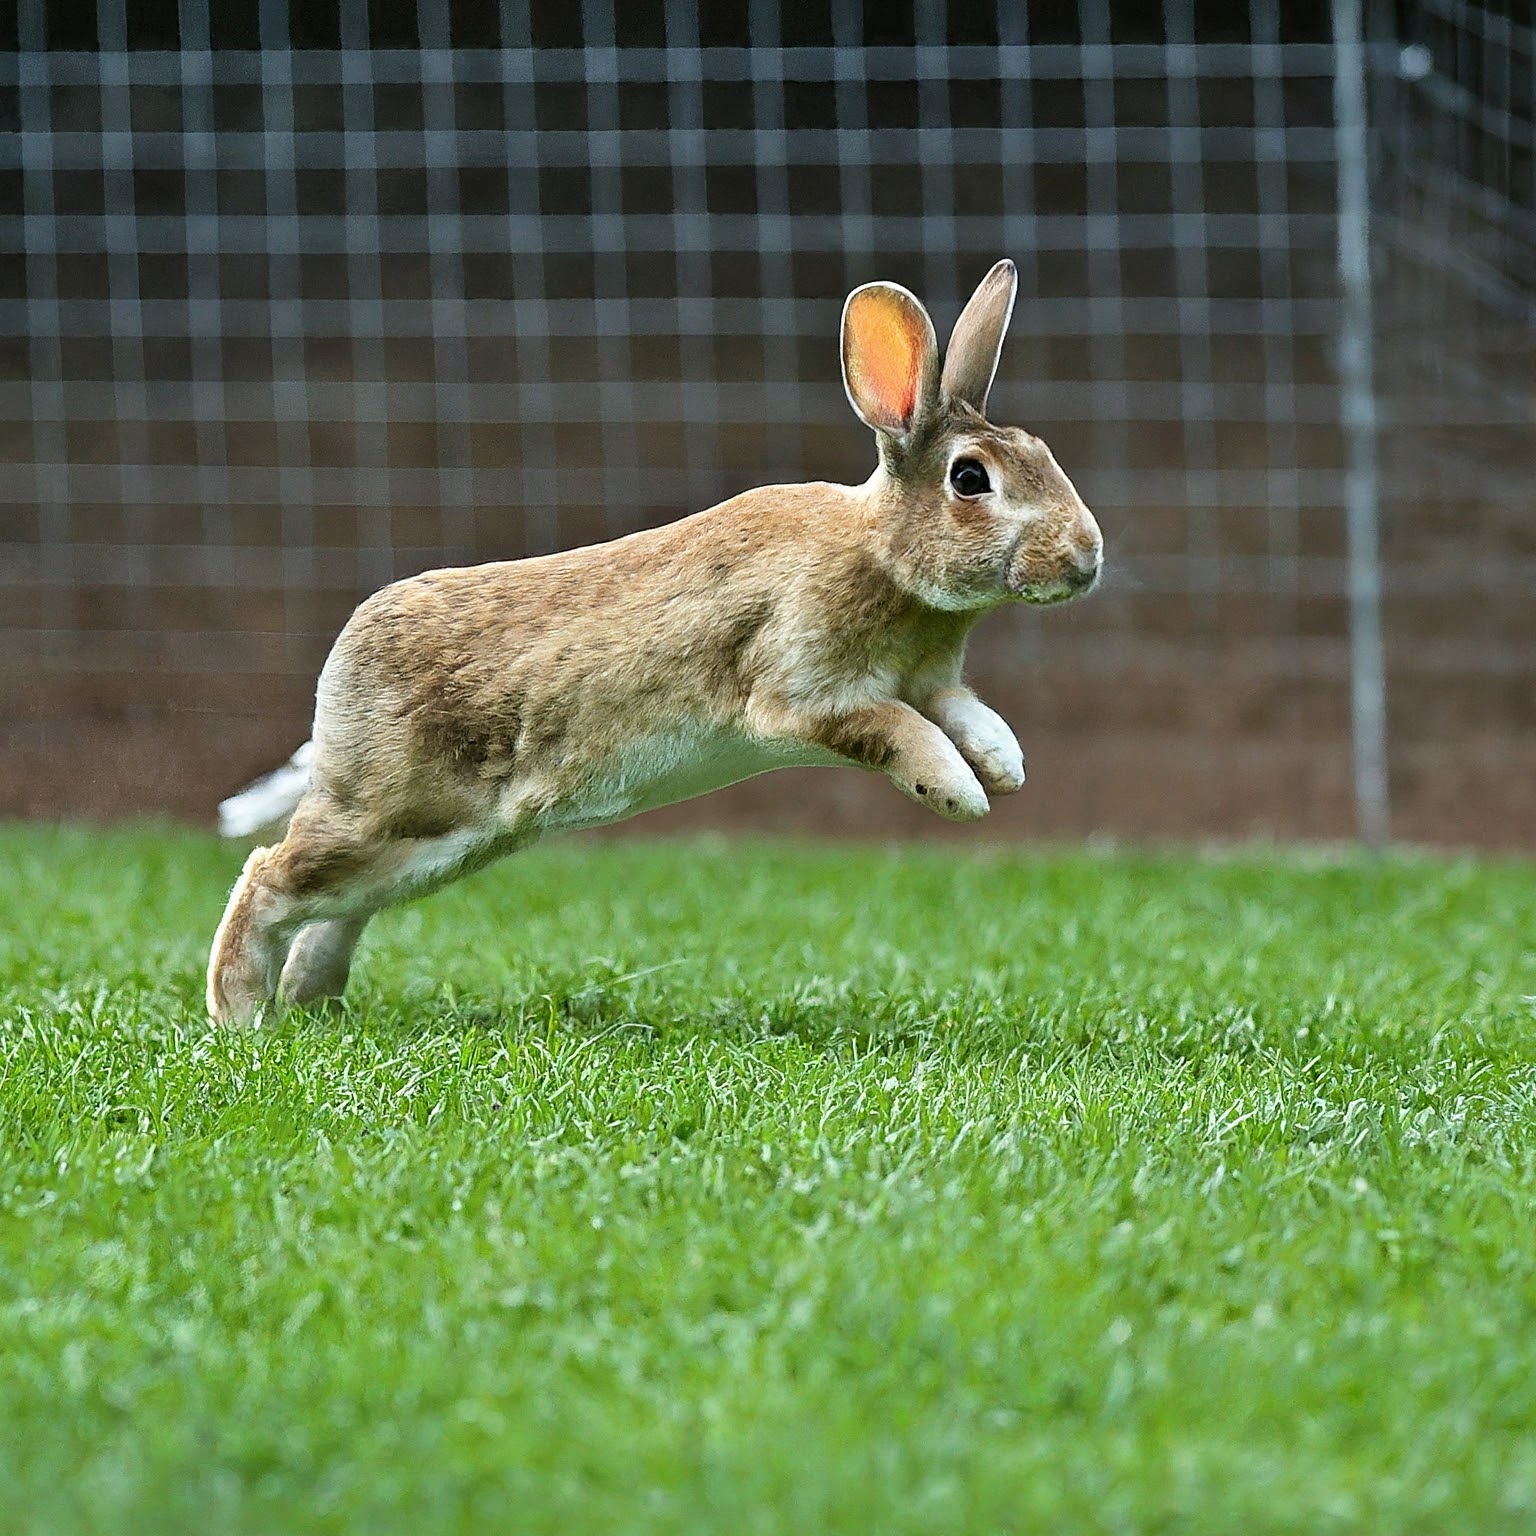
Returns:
<point x="269" y="802"/>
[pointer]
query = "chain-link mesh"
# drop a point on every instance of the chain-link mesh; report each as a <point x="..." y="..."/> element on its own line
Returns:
<point x="292" y="304"/>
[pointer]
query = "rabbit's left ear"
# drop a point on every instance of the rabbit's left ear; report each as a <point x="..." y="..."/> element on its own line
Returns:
<point x="971" y="361"/>
<point x="890" y="357"/>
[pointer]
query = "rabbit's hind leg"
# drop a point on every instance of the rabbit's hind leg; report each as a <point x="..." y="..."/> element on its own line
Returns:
<point x="321" y="870"/>
<point x="244" y="962"/>
<point x="320" y="959"/>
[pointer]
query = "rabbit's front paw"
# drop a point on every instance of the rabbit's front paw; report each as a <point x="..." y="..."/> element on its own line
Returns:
<point x="954" y="798"/>
<point x="1000" y="768"/>
<point x="995" y="757"/>
<point x="982" y="738"/>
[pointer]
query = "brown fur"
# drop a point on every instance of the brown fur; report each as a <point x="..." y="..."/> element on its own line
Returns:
<point x="464" y="712"/>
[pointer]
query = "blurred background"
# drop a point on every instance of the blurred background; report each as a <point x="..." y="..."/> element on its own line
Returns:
<point x="299" y="298"/>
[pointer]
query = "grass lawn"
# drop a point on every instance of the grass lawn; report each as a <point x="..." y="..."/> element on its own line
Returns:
<point x="751" y="1188"/>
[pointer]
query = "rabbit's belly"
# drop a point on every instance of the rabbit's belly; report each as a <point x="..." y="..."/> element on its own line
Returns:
<point x="679" y="765"/>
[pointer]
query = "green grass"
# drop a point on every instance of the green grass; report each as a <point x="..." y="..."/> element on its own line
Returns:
<point x="746" y="1188"/>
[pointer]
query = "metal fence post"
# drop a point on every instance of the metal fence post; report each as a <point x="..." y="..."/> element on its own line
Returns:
<point x="1368" y="702"/>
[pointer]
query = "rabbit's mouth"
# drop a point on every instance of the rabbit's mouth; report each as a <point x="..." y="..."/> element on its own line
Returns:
<point x="1073" y="582"/>
<point x="1045" y="595"/>
<point x="1074" y="575"/>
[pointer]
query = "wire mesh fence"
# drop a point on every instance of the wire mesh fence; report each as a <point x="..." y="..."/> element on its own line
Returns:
<point x="293" y="302"/>
<point x="1456" y="219"/>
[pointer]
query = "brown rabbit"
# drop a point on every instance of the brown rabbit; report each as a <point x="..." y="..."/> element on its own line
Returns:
<point x="464" y="713"/>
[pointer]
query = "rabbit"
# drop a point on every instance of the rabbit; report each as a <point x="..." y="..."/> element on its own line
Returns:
<point x="466" y="712"/>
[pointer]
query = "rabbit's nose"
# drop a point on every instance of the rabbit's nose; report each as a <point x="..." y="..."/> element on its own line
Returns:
<point x="1086" y="563"/>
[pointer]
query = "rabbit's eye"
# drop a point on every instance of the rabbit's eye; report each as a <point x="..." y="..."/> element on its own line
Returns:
<point x="969" y="478"/>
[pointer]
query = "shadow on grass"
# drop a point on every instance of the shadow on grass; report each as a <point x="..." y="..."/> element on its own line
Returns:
<point x="821" y="1016"/>
<point x="1101" y="1025"/>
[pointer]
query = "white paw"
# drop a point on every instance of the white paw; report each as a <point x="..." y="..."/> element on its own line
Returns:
<point x="984" y="741"/>
<point x="1000" y="767"/>
<point x="989" y="747"/>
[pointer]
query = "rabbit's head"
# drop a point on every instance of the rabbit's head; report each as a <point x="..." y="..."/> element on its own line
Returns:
<point x="971" y="514"/>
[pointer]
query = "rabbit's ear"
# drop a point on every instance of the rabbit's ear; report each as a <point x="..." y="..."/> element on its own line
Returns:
<point x="890" y="357"/>
<point x="971" y="361"/>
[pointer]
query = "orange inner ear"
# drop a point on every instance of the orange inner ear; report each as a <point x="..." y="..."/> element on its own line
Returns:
<point x="885" y="357"/>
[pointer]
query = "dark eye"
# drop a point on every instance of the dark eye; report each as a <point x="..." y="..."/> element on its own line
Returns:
<point x="969" y="478"/>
